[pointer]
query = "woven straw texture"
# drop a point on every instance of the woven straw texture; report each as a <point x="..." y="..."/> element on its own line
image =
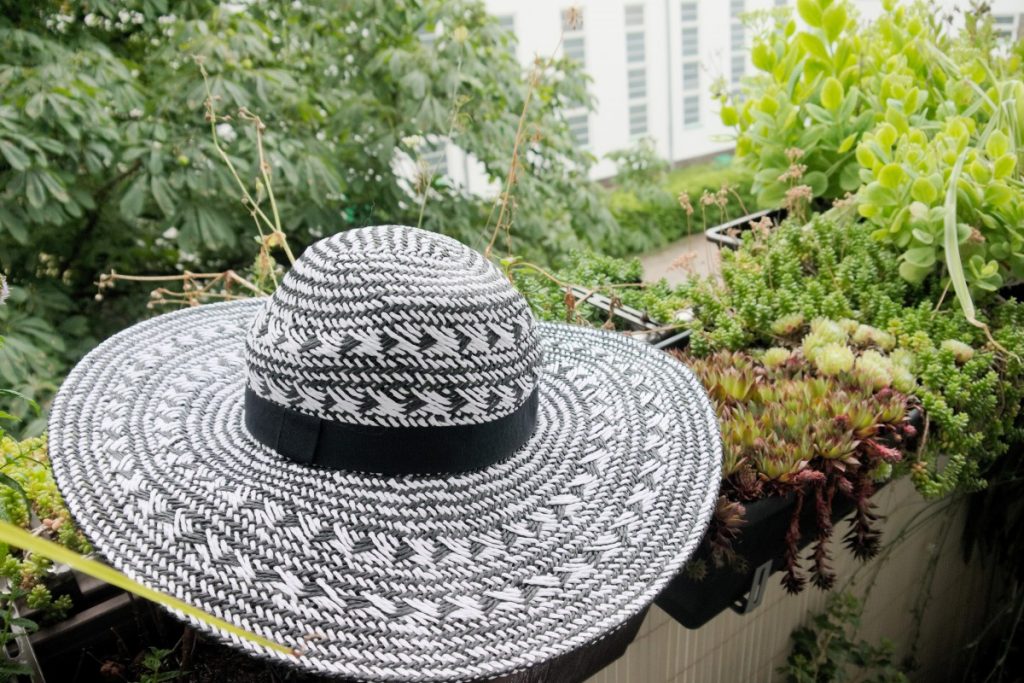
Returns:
<point x="394" y="326"/>
<point x="377" y="578"/>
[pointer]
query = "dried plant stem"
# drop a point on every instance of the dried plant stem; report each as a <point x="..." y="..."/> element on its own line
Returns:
<point x="504" y="212"/>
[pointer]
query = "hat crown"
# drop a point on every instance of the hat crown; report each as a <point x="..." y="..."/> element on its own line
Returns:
<point x="394" y="326"/>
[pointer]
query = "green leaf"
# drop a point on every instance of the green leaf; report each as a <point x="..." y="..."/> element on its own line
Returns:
<point x="729" y="116"/>
<point x="813" y="46"/>
<point x="810" y="11"/>
<point x="922" y="236"/>
<point x="997" y="144"/>
<point x="18" y="160"/>
<point x="923" y="191"/>
<point x="134" y="198"/>
<point x="923" y="257"/>
<point x="913" y="273"/>
<point x="35" y="191"/>
<point x="891" y="175"/>
<point x="163" y="195"/>
<point x="832" y="94"/>
<point x="847" y="144"/>
<point x="818" y="182"/>
<point x="849" y="178"/>
<point x="833" y="20"/>
<point x="1004" y="165"/>
<point x="762" y="56"/>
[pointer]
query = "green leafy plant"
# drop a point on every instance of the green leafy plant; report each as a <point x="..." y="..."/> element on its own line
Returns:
<point x="782" y="279"/>
<point x="827" y="650"/>
<point x="942" y="179"/>
<point x="154" y="669"/>
<point x="806" y="96"/>
<point x="106" y="163"/>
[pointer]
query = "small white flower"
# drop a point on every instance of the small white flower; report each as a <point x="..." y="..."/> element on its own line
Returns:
<point x="135" y="113"/>
<point x="296" y="5"/>
<point x="226" y="132"/>
<point x="366" y="33"/>
<point x="137" y="18"/>
<point x="331" y="71"/>
<point x="91" y="19"/>
<point x="125" y="16"/>
<point x="321" y="136"/>
<point x="166" y="19"/>
<point x="413" y="141"/>
<point x="349" y="59"/>
<point x="170" y="233"/>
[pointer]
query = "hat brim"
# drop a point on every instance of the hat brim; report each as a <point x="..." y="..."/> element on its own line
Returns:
<point x="389" y="578"/>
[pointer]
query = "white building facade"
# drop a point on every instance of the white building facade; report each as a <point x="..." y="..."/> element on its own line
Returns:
<point x="652" y="64"/>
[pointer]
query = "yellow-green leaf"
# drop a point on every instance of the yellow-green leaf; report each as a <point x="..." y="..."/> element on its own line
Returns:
<point x="891" y="176"/>
<point x="1004" y="165"/>
<point x="763" y="57"/>
<point x="997" y="144"/>
<point x="729" y="116"/>
<point x="833" y="20"/>
<point x="847" y="144"/>
<point x="810" y="11"/>
<point x="832" y="94"/>
<point x="813" y="46"/>
<point x="923" y="191"/>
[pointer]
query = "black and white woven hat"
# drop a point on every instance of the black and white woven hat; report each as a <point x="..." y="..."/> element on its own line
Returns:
<point x="389" y="465"/>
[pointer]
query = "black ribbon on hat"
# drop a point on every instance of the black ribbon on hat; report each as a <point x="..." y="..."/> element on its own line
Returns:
<point x="312" y="440"/>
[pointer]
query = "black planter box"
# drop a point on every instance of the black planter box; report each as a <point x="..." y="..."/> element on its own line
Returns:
<point x="761" y="544"/>
<point x="636" y="320"/>
<point x="720" y="233"/>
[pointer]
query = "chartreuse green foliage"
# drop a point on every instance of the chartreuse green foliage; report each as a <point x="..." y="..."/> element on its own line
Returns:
<point x="106" y="160"/>
<point x="807" y="95"/>
<point x="953" y="120"/>
<point x="777" y="285"/>
<point x="27" y="479"/>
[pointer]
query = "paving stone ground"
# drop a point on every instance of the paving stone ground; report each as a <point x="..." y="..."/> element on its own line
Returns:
<point x="699" y="255"/>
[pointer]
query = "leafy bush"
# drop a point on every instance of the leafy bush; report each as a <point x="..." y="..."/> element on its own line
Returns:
<point x="807" y="96"/>
<point x="952" y="118"/>
<point x="827" y="650"/>
<point x="107" y="163"/>
<point x="647" y="204"/>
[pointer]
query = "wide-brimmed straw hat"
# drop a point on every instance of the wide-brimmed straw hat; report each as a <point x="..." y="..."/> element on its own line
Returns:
<point x="389" y="466"/>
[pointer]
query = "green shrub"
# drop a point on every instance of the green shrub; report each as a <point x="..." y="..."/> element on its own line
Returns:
<point x="649" y="210"/>
<point x="107" y="163"/>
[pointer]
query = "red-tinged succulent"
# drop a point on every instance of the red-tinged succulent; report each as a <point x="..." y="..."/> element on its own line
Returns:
<point x="789" y="428"/>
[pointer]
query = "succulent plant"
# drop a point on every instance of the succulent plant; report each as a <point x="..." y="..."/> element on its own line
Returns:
<point x="787" y="429"/>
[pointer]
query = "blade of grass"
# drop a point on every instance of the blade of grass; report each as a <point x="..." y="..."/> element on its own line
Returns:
<point x="16" y="536"/>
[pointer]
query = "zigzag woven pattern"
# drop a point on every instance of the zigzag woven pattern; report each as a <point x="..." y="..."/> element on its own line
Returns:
<point x="394" y="326"/>
<point x="401" y="578"/>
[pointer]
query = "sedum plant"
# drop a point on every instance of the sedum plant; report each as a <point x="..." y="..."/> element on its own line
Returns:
<point x="805" y="96"/>
<point x="779" y="283"/>
<point x="941" y="173"/>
